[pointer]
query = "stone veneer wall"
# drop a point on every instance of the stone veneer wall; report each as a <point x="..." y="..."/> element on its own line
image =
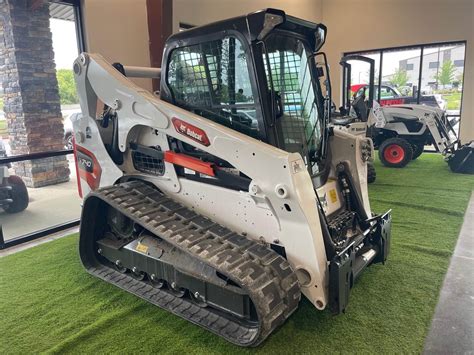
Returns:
<point x="31" y="95"/>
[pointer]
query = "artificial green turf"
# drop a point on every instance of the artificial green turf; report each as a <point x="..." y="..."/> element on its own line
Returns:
<point x="48" y="303"/>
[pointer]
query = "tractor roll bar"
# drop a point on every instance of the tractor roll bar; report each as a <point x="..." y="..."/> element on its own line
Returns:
<point x="142" y="72"/>
<point x="347" y="76"/>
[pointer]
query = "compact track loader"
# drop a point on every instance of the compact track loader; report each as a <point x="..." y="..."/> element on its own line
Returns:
<point x="227" y="196"/>
<point x="400" y="132"/>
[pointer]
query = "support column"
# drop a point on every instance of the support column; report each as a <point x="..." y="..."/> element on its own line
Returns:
<point x="31" y="94"/>
<point x="160" y="27"/>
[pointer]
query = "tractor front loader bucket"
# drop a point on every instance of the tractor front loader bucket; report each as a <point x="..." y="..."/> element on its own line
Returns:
<point x="462" y="160"/>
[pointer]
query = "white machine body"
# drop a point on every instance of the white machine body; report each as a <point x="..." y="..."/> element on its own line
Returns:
<point x="280" y="206"/>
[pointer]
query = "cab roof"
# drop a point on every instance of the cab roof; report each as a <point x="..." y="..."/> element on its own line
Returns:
<point x="253" y="26"/>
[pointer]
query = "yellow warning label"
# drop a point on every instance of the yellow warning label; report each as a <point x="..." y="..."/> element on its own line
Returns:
<point x="333" y="195"/>
<point x="141" y="248"/>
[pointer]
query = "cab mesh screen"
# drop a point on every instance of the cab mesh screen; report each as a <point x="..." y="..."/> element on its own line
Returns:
<point x="291" y="81"/>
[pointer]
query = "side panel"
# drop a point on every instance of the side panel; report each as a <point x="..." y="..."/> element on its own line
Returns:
<point x="92" y="141"/>
<point x="357" y="128"/>
<point x="349" y="148"/>
<point x="330" y="197"/>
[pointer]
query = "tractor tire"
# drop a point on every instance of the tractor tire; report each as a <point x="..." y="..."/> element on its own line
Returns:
<point x="19" y="195"/>
<point x="395" y="152"/>
<point x="69" y="142"/>
<point x="417" y="150"/>
<point x="371" y="173"/>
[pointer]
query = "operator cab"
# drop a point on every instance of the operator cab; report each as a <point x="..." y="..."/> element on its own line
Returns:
<point x="255" y="74"/>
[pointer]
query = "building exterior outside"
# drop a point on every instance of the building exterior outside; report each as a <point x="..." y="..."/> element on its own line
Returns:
<point x="433" y="59"/>
<point x="31" y="101"/>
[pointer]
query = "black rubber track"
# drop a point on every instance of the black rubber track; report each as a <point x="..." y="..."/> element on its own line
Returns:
<point x="371" y="173"/>
<point x="263" y="274"/>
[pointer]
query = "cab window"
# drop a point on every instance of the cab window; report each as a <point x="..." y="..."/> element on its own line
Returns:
<point x="212" y="79"/>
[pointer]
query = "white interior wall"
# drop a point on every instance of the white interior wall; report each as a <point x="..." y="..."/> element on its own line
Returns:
<point x="355" y="25"/>
<point x="200" y="12"/>
<point x="118" y="30"/>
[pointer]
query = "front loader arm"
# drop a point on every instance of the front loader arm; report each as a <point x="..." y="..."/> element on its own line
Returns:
<point x="281" y="191"/>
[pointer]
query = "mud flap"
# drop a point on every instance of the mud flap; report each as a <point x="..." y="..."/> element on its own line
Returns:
<point x="462" y="160"/>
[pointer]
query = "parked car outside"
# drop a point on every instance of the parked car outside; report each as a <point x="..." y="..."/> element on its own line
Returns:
<point x="391" y="96"/>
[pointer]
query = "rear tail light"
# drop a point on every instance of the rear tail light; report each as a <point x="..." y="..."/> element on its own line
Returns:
<point x="87" y="168"/>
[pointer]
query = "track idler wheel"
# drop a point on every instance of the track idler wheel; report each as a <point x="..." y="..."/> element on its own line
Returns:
<point x="119" y="267"/>
<point x="137" y="274"/>
<point x="156" y="282"/>
<point x="198" y="299"/>
<point x="176" y="290"/>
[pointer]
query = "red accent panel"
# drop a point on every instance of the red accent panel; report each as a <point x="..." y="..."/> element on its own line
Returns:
<point x="88" y="167"/>
<point x="190" y="131"/>
<point x="388" y="102"/>
<point x="79" y="188"/>
<point x="382" y="102"/>
<point x="190" y="163"/>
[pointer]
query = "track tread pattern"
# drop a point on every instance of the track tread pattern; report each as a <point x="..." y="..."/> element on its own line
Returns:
<point x="259" y="271"/>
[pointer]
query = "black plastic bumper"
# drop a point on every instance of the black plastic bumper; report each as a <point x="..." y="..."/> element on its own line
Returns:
<point x="348" y="264"/>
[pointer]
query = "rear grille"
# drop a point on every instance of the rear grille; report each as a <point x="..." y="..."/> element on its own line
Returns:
<point x="148" y="164"/>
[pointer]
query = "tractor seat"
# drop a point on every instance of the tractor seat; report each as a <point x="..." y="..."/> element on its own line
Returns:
<point x="342" y="121"/>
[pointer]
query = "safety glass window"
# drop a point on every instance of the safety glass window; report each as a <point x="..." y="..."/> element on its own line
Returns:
<point x="212" y="79"/>
<point x="290" y="80"/>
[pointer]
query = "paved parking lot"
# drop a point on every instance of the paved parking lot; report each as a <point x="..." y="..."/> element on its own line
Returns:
<point x="49" y="206"/>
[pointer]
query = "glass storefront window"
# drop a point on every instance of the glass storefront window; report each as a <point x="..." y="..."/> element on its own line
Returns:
<point x="430" y="74"/>
<point x="400" y="76"/>
<point x="442" y="76"/>
<point x="37" y="194"/>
